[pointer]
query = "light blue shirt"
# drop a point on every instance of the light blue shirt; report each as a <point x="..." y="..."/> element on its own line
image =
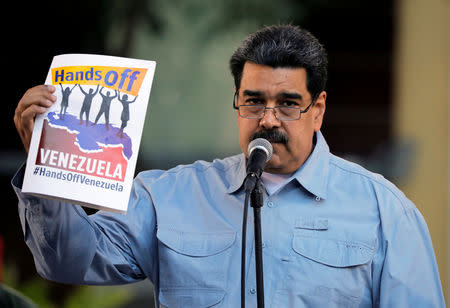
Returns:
<point x="336" y="235"/>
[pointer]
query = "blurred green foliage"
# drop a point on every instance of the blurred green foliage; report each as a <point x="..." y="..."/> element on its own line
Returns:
<point x="38" y="289"/>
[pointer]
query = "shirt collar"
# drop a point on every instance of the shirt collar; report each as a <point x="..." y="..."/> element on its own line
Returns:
<point x="312" y="175"/>
<point x="238" y="176"/>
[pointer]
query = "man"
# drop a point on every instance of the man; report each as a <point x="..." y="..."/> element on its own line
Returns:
<point x="334" y="234"/>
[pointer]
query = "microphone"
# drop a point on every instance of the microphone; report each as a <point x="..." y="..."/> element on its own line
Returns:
<point x="259" y="153"/>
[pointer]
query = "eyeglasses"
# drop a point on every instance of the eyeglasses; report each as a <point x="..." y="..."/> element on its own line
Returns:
<point x="282" y="113"/>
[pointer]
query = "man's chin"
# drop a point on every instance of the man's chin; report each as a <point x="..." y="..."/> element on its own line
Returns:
<point x="274" y="164"/>
<point x="279" y="163"/>
<point x="278" y="150"/>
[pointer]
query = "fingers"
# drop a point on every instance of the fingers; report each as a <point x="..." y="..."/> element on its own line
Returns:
<point x="39" y="95"/>
<point x="25" y="123"/>
<point x="27" y="117"/>
<point x="35" y="101"/>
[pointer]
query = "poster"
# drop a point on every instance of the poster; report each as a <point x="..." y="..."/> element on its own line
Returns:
<point x="84" y="148"/>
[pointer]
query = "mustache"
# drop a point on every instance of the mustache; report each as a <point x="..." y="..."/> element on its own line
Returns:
<point x="272" y="135"/>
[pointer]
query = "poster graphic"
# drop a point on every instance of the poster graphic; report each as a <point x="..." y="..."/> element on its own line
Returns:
<point x="84" y="148"/>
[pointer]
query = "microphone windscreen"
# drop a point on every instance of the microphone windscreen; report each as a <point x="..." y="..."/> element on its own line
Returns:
<point x="263" y="144"/>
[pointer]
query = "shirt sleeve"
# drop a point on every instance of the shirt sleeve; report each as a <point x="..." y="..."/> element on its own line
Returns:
<point x="409" y="275"/>
<point x="105" y="248"/>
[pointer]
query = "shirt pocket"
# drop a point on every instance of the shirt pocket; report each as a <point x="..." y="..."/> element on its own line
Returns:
<point x="184" y="298"/>
<point x="332" y="252"/>
<point x="313" y="240"/>
<point x="193" y="266"/>
<point x="324" y="269"/>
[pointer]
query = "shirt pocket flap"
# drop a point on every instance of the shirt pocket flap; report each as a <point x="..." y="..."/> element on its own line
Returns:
<point x="181" y="298"/>
<point x="331" y="252"/>
<point x="196" y="244"/>
<point x="312" y="223"/>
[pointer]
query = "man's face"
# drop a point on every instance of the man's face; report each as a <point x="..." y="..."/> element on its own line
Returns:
<point x="278" y="87"/>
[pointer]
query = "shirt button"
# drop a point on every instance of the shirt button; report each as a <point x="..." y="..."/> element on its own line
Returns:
<point x="270" y="204"/>
<point x="253" y="290"/>
<point x="263" y="245"/>
<point x="317" y="199"/>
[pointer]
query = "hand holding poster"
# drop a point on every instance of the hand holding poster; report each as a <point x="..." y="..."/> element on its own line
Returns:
<point x="84" y="148"/>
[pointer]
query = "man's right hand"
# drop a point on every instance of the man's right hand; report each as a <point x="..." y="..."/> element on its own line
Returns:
<point x="35" y="101"/>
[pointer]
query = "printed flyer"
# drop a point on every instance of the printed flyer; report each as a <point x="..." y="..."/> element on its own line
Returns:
<point x="84" y="148"/>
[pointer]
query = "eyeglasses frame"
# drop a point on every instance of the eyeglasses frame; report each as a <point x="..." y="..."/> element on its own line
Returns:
<point x="273" y="108"/>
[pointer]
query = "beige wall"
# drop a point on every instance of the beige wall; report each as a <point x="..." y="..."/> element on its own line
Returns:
<point x="421" y="113"/>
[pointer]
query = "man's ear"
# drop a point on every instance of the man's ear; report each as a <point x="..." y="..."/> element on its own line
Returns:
<point x="319" y="110"/>
<point x="235" y="103"/>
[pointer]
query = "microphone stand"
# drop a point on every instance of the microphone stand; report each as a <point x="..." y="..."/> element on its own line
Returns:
<point x="254" y="192"/>
<point x="256" y="201"/>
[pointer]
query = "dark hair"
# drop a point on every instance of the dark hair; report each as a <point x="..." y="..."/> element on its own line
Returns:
<point x="283" y="46"/>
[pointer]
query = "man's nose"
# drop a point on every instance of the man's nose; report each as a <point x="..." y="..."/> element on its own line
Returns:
<point x="269" y="120"/>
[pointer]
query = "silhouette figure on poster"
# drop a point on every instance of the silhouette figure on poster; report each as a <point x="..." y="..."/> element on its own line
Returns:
<point x="125" y="116"/>
<point x="65" y="99"/>
<point x="104" y="108"/>
<point x="86" y="107"/>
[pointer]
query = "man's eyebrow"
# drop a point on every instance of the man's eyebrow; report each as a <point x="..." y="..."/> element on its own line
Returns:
<point x="290" y="95"/>
<point x="252" y="93"/>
